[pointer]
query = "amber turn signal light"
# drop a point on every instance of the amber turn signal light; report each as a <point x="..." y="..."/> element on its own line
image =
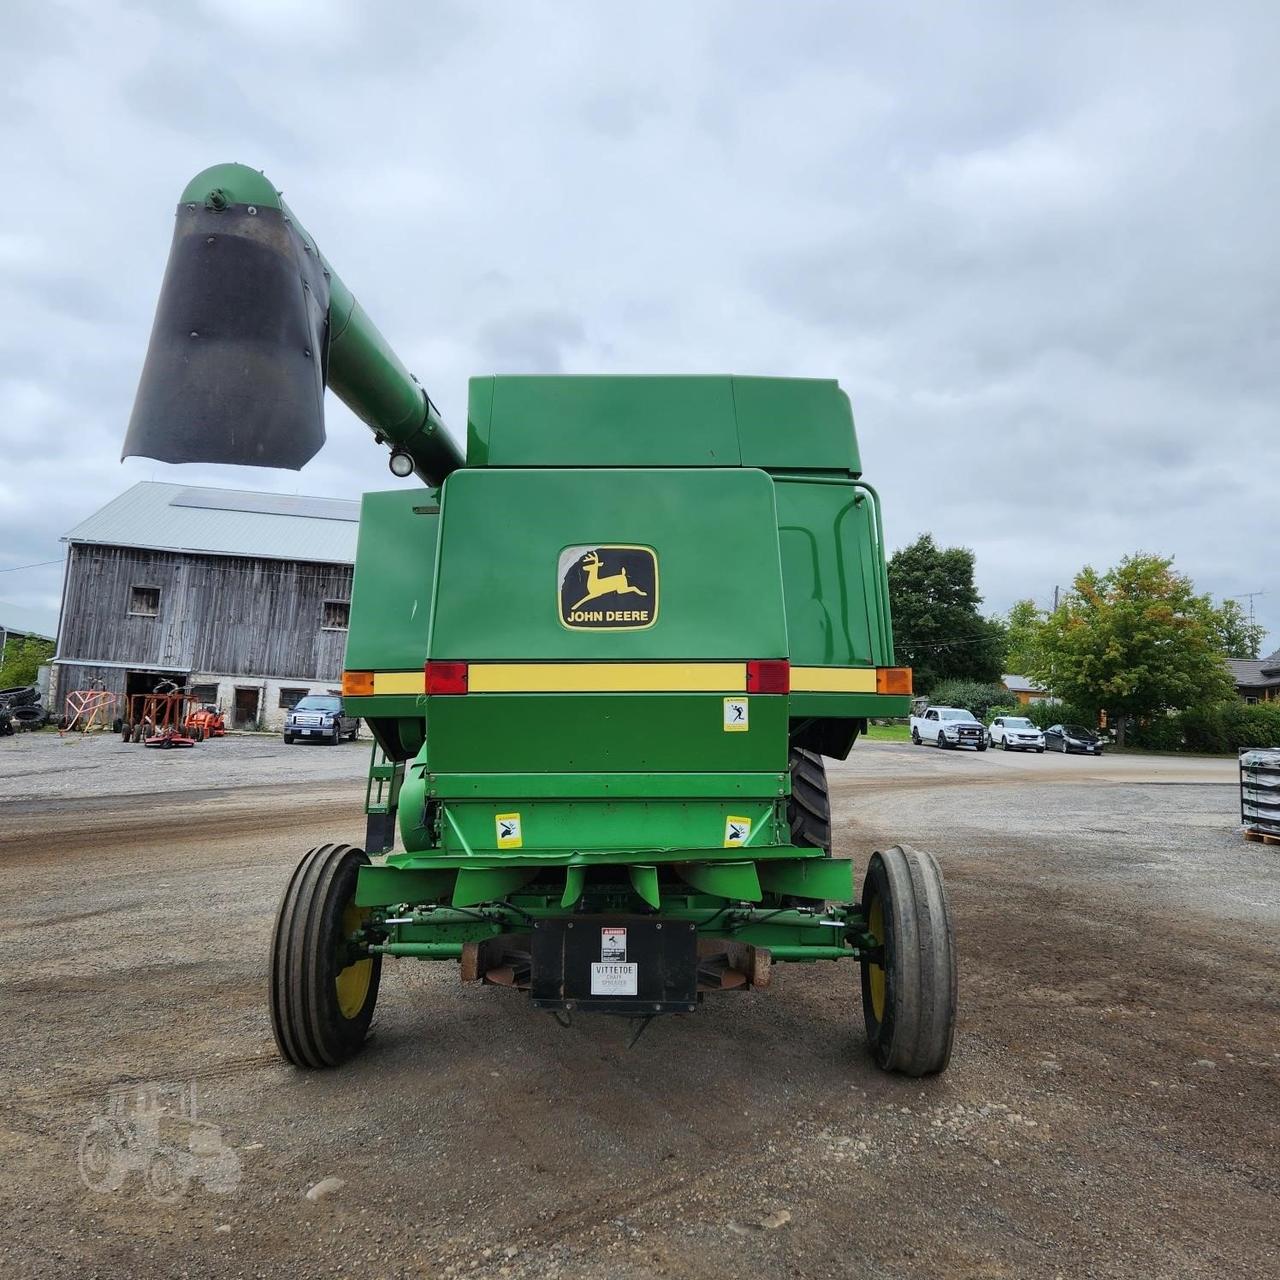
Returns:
<point x="357" y="684"/>
<point x="893" y="679"/>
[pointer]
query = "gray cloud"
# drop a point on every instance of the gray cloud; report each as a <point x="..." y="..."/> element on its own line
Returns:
<point x="1034" y="243"/>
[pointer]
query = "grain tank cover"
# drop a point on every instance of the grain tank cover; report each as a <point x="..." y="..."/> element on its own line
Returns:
<point x="777" y="424"/>
<point x="700" y="548"/>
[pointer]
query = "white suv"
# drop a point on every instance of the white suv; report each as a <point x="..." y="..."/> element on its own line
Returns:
<point x="1015" y="733"/>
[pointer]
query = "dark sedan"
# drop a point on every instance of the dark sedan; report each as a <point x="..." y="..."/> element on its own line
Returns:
<point x="1072" y="737"/>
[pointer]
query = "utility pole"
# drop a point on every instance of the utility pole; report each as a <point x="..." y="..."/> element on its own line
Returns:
<point x="1249" y="595"/>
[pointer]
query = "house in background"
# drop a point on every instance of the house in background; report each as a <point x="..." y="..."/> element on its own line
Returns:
<point x="1026" y="691"/>
<point x="243" y="597"/>
<point x="1257" y="679"/>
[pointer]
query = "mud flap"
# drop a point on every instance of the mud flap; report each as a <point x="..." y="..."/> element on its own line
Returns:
<point x="627" y="964"/>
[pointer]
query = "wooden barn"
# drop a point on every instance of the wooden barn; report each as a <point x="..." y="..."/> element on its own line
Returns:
<point x="243" y="597"/>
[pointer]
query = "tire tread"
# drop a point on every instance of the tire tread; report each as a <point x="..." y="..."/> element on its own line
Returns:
<point x="809" y="807"/>
<point x="918" y="1029"/>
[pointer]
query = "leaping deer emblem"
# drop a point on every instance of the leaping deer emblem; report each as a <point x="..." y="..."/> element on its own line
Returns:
<point x="597" y="586"/>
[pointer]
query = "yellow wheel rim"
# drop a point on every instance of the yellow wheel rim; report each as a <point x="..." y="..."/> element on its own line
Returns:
<point x="352" y="983"/>
<point x="875" y="972"/>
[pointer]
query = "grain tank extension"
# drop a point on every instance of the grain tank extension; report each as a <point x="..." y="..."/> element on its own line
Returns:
<point x="603" y="657"/>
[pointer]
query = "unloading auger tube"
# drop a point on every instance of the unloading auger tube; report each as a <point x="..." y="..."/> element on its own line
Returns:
<point x="251" y="326"/>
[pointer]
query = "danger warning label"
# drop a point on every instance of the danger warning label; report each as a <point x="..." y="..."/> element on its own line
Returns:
<point x="509" y="833"/>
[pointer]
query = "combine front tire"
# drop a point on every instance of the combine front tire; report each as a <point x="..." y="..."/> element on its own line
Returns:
<point x="809" y="808"/>
<point x="909" y="998"/>
<point x="322" y="990"/>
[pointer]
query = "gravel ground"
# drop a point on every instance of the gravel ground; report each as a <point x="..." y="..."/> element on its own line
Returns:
<point x="39" y="768"/>
<point x="1112" y="1109"/>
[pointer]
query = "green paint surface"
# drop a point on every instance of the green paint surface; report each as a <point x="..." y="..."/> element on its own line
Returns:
<point x="592" y="733"/>
<point x="714" y="533"/>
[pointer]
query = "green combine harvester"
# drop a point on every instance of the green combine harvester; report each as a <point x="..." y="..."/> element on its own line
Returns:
<point x="602" y="656"/>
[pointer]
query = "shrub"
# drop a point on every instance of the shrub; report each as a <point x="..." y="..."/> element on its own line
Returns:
<point x="992" y="712"/>
<point x="972" y="695"/>
<point x="22" y="659"/>
<point x="1043" y="714"/>
<point x="1161" y="733"/>
<point x="1230" y="726"/>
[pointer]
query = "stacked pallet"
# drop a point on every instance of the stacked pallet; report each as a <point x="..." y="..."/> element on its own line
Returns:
<point x="1260" y="794"/>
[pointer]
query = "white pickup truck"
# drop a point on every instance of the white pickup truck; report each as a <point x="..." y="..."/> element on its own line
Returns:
<point x="949" y="727"/>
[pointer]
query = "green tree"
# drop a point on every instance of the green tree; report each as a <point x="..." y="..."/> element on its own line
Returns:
<point x="1022" y="628"/>
<point x="937" y="628"/>
<point x="21" y="658"/>
<point x="1237" y="636"/>
<point x="1136" y="641"/>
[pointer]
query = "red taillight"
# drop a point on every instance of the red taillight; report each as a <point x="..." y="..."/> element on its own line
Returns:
<point x="446" y="677"/>
<point x="769" y="675"/>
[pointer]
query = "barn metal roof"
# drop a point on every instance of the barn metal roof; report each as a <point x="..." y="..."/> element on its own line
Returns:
<point x="225" y="522"/>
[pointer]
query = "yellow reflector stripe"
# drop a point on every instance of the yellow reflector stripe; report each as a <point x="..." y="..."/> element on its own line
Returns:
<point x="399" y="681"/>
<point x="833" y="679"/>
<point x="629" y="677"/>
<point x="607" y="677"/>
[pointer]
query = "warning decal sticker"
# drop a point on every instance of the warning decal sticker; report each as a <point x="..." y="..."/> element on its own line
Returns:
<point x="737" y="831"/>
<point x="613" y="944"/>
<point x="608" y="588"/>
<point x="509" y="833"/>
<point x="736" y="712"/>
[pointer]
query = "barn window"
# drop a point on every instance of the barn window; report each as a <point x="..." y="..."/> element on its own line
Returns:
<point x="144" y="601"/>
<point x="205" y="694"/>
<point x="335" y="615"/>
<point x="289" y="698"/>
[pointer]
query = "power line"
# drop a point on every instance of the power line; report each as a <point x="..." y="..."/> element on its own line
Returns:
<point x="39" y="564"/>
<point x="943" y="644"/>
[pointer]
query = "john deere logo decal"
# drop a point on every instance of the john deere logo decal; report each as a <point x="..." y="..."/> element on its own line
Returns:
<point x="608" y="588"/>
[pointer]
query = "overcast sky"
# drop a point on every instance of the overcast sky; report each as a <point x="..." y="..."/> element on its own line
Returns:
<point x="1037" y="243"/>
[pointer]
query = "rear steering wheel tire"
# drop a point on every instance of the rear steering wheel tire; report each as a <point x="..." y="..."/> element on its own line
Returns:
<point x="915" y="738"/>
<point x="909" y="997"/>
<point x="322" y="995"/>
<point x="809" y="807"/>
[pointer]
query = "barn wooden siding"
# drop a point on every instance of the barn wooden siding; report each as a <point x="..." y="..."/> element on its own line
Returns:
<point x="231" y="614"/>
